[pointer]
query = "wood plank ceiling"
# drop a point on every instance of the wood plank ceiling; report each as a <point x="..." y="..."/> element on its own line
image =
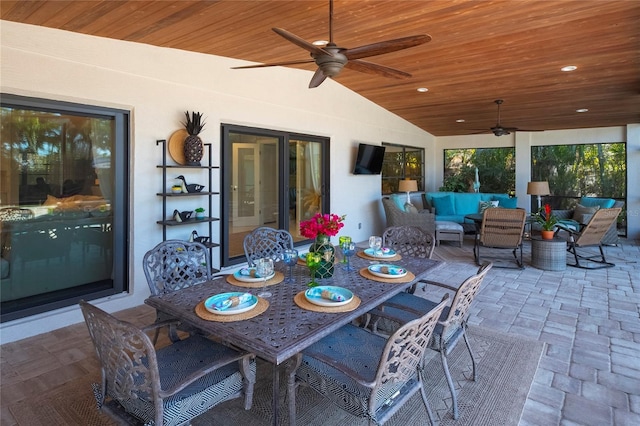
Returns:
<point x="480" y="51"/>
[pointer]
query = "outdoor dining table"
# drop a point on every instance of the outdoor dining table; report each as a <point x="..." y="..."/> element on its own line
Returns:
<point x="284" y="329"/>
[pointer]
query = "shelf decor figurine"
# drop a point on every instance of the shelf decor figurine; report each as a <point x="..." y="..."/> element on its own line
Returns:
<point x="191" y="187"/>
<point x="193" y="149"/>
<point x="199" y="213"/>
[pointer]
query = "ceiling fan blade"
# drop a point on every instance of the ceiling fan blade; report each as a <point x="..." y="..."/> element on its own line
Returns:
<point x="301" y="42"/>
<point x="371" y="68"/>
<point x="317" y="79"/>
<point x="275" y="64"/>
<point x="388" y="46"/>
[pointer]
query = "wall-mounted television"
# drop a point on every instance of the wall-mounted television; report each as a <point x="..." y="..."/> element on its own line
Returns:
<point x="369" y="160"/>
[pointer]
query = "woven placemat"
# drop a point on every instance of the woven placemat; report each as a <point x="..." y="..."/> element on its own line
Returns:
<point x="368" y="275"/>
<point x="202" y="312"/>
<point x="276" y="279"/>
<point x="381" y="259"/>
<point x="302" y="302"/>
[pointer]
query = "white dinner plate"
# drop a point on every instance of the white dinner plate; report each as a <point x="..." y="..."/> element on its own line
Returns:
<point x="387" y="271"/>
<point x="381" y="254"/>
<point x="248" y="278"/>
<point x="243" y="307"/>
<point x="313" y="295"/>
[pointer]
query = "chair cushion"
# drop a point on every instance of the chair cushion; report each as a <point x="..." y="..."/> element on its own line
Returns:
<point x="410" y="208"/>
<point x="443" y="205"/>
<point x="603" y="203"/>
<point x="583" y="214"/>
<point x="399" y="200"/>
<point x="505" y="202"/>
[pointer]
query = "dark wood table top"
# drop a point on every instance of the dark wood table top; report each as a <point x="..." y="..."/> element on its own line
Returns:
<point x="286" y="329"/>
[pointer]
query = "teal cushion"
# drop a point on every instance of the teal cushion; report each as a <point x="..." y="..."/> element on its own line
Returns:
<point x="399" y="200"/>
<point x="466" y="202"/>
<point x="443" y="205"/>
<point x="505" y="202"/>
<point x="603" y="203"/>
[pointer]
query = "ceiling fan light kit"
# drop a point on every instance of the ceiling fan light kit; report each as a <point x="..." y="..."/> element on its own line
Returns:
<point x="331" y="58"/>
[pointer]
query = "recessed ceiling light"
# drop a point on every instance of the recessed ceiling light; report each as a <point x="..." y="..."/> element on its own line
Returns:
<point x="569" y="68"/>
<point x="422" y="89"/>
<point x="320" y="43"/>
<point x="460" y="120"/>
<point x="582" y="110"/>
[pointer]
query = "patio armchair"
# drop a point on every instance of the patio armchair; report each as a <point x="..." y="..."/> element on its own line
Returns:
<point x="168" y="386"/>
<point x="501" y="229"/>
<point x="423" y="219"/>
<point x="266" y="242"/>
<point x="409" y="241"/>
<point x="367" y="375"/>
<point x="592" y="235"/>
<point x="452" y="324"/>
<point x="173" y="265"/>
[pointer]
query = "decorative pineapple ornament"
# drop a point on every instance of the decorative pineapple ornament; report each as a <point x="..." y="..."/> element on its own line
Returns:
<point x="193" y="143"/>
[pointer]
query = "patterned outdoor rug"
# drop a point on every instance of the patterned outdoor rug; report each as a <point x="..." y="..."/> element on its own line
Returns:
<point x="506" y="366"/>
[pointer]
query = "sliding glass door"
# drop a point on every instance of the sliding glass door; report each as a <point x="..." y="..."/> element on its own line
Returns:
<point x="273" y="179"/>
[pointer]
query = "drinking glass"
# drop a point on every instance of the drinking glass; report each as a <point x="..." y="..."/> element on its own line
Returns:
<point x="290" y="258"/>
<point x="264" y="268"/>
<point x="313" y="262"/>
<point x="348" y="249"/>
<point x="341" y="240"/>
<point x="375" y="243"/>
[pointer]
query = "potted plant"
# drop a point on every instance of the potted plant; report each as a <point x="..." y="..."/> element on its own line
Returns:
<point x="199" y="213"/>
<point x="547" y="220"/>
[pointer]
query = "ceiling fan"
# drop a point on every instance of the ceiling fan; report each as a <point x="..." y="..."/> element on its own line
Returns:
<point x="331" y="58"/>
<point x="499" y="130"/>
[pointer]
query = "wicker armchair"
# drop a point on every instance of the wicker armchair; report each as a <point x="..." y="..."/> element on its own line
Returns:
<point x="266" y="242"/>
<point x="405" y="307"/>
<point x="592" y="235"/>
<point x="168" y="386"/>
<point x="365" y="374"/>
<point x="424" y="219"/>
<point x="501" y="229"/>
<point x="173" y="265"/>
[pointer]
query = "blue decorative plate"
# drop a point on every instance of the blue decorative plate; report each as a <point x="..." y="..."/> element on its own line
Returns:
<point x="243" y="307"/>
<point x="314" y="295"/>
<point x="387" y="271"/>
<point x="249" y="275"/>
<point x="382" y="253"/>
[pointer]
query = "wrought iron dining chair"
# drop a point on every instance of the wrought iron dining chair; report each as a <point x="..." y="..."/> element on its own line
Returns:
<point x="501" y="229"/>
<point x="173" y="265"/>
<point x="591" y="236"/>
<point x="266" y="242"/>
<point x="168" y="386"/>
<point x="409" y="241"/>
<point x="453" y="321"/>
<point x="365" y="374"/>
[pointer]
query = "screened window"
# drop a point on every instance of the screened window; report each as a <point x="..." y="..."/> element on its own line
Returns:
<point x="401" y="162"/>
<point x="584" y="170"/>
<point x="276" y="179"/>
<point x="496" y="170"/>
<point x="63" y="204"/>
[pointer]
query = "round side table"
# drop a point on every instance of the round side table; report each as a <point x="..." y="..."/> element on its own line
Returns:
<point x="549" y="255"/>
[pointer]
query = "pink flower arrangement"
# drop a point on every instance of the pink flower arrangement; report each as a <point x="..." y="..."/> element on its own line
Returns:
<point x="321" y="224"/>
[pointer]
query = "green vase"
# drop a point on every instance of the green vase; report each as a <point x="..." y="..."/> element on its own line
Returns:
<point x="323" y="245"/>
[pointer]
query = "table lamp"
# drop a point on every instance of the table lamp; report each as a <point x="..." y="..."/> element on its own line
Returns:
<point x="539" y="189"/>
<point x="407" y="186"/>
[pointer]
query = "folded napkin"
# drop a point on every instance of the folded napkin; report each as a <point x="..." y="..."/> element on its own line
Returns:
<point x="326" y="294"/>
<point x="249" y="272"/>
<point x="391" y="270"/>
<point x="385" y="250"/>
<point x="231" y="302"/>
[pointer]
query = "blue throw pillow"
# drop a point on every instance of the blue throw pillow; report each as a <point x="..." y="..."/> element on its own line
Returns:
<point x="603" y="203"/>
<point x="399" y="200"/>
<point x="505" y="202"/>
<point x="443" y="205"/>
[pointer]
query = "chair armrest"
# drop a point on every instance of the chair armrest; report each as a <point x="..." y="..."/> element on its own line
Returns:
<point x="343" y="369"/>
<point x="439" y="284"/>
<point x="160" y="324"/>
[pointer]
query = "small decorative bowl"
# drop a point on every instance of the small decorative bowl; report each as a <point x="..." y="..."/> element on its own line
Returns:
<point x="176" y="189"/>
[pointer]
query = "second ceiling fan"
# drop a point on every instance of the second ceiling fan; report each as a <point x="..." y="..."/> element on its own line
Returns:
<point x="500" y="130"/>
<point x="331" y="58"/>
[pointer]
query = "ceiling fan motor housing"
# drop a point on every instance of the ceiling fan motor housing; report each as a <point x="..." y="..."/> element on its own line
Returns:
<point x="331" y="65"/>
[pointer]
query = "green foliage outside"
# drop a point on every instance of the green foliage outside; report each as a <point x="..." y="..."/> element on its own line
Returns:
<point x="496" y="169"/>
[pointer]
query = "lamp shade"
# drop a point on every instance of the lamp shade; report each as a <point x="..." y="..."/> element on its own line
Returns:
<point x="408" y="185"/>
<point x="538" y="188"/>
